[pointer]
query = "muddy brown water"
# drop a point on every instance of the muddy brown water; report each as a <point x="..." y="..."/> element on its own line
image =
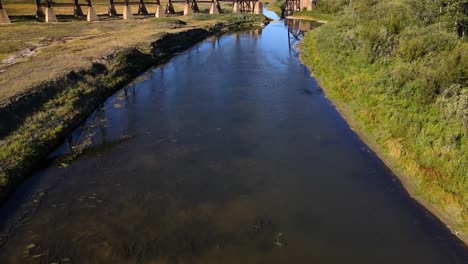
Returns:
<point x="229" y="153"/>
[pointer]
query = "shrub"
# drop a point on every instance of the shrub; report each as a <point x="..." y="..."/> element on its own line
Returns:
<point x="454" y="103"/>
<point x="375" y="41"/>
<point x="404" y="79"/>
<point x="416" y="42"/>
<point x="332" y="6"/>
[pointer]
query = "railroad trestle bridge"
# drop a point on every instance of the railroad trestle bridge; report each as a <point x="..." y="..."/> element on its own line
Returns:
<point x="45" y="11"/>
<point x="292" y="6"/>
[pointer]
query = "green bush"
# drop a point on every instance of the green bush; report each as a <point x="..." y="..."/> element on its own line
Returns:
<point x="332" y="6"/>
<point x="375" y="41"/>
<point x="402" y="73"/>
<point x="454" y="103"/>
<point x="416" y="42"/>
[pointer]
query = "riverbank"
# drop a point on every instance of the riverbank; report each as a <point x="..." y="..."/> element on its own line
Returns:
<point x="314" y="15"/>
<point x="425" y="148"/>
<point x="307" y="18"/>
<point x="71" y="68"/>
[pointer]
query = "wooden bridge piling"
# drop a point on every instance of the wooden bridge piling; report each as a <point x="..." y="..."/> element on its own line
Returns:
<point x="195" y="7"/>
<point x="39" y="12"/>
<point x="4" y="19"/>
<point x="46" y="12"/>
<point x="258" y="8"/>
<point x="91" y="15"/>
<point x="111" y="11"/>
<point x="214" y="8"/>
<point x="127" y="11"/>
<point x="188" y="9"/>
<point x="235" y="8"/>
<point x="142" y="8"/>
<point x="247" y="6"/>
<point x="218" y="5"/>
<point x="77" y="11"/>
<point x="292" y="6"/>
<point x="49" y="13"/>
<point x="159" y="12"/>
<point x="170" y="7"/>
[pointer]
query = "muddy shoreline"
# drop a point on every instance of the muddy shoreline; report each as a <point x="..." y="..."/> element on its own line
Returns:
<point x="37" y="121"/>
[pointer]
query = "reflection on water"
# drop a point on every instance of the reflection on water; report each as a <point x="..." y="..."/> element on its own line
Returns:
<point x="229" y="153"/>
<point x="296" y="30"/>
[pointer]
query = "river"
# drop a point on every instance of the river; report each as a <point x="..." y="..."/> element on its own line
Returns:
<point x="228" y="153"/>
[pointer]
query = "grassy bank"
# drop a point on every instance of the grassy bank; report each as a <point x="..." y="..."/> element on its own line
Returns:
<point x="403" y="85"/>
<point x="314" y="15"/>
<point x="47" y="105"/>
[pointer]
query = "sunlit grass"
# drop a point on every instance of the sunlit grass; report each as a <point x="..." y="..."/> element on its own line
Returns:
<point x="314" y="14"/>
<point x="406" y="126"/>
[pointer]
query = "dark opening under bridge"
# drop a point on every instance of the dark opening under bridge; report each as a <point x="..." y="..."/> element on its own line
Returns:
<point x="44" y="8"/>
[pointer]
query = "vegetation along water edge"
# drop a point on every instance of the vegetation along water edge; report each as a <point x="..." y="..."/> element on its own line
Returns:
<point x="398" y="72"/>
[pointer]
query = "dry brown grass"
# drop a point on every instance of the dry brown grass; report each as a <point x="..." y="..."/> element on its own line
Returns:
<point x="59" y="48"/>
<point x="28" y="8"/>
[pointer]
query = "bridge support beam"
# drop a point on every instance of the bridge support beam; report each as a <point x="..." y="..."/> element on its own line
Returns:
<point x="235" y="8"/>
<point x="127" y="12"/>
<point x="91" y="16"/>
<point x="258" y="8"/>
<point x="214" y="9"/>
<point x="77" y="11"/>
<point x="159" y="12"/>
<point x="50" y="15"/>
<point x="142" y="8"/>
<point x="306" y="4"/>
<point x="188" y="10"/>
<point x="111" y="11"/>
<point x="39" y="12"/>
<point x="292" y="6"/>
<point x="245" y="6"/>
<point x="4" y="19"/>
<point x="195" y="7"/>
<point x="170" y="8"/>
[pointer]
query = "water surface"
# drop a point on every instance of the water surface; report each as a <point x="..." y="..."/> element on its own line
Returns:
<point x="229" y="153"/>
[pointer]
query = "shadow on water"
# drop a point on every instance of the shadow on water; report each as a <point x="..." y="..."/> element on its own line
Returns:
<point x="229" y="153"/>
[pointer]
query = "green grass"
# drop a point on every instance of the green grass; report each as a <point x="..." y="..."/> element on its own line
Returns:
<point x="41" y="131"/>
<point x="389" y="97"/>
<point x="169" y="20"/>
<point x="315" y="15"/>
